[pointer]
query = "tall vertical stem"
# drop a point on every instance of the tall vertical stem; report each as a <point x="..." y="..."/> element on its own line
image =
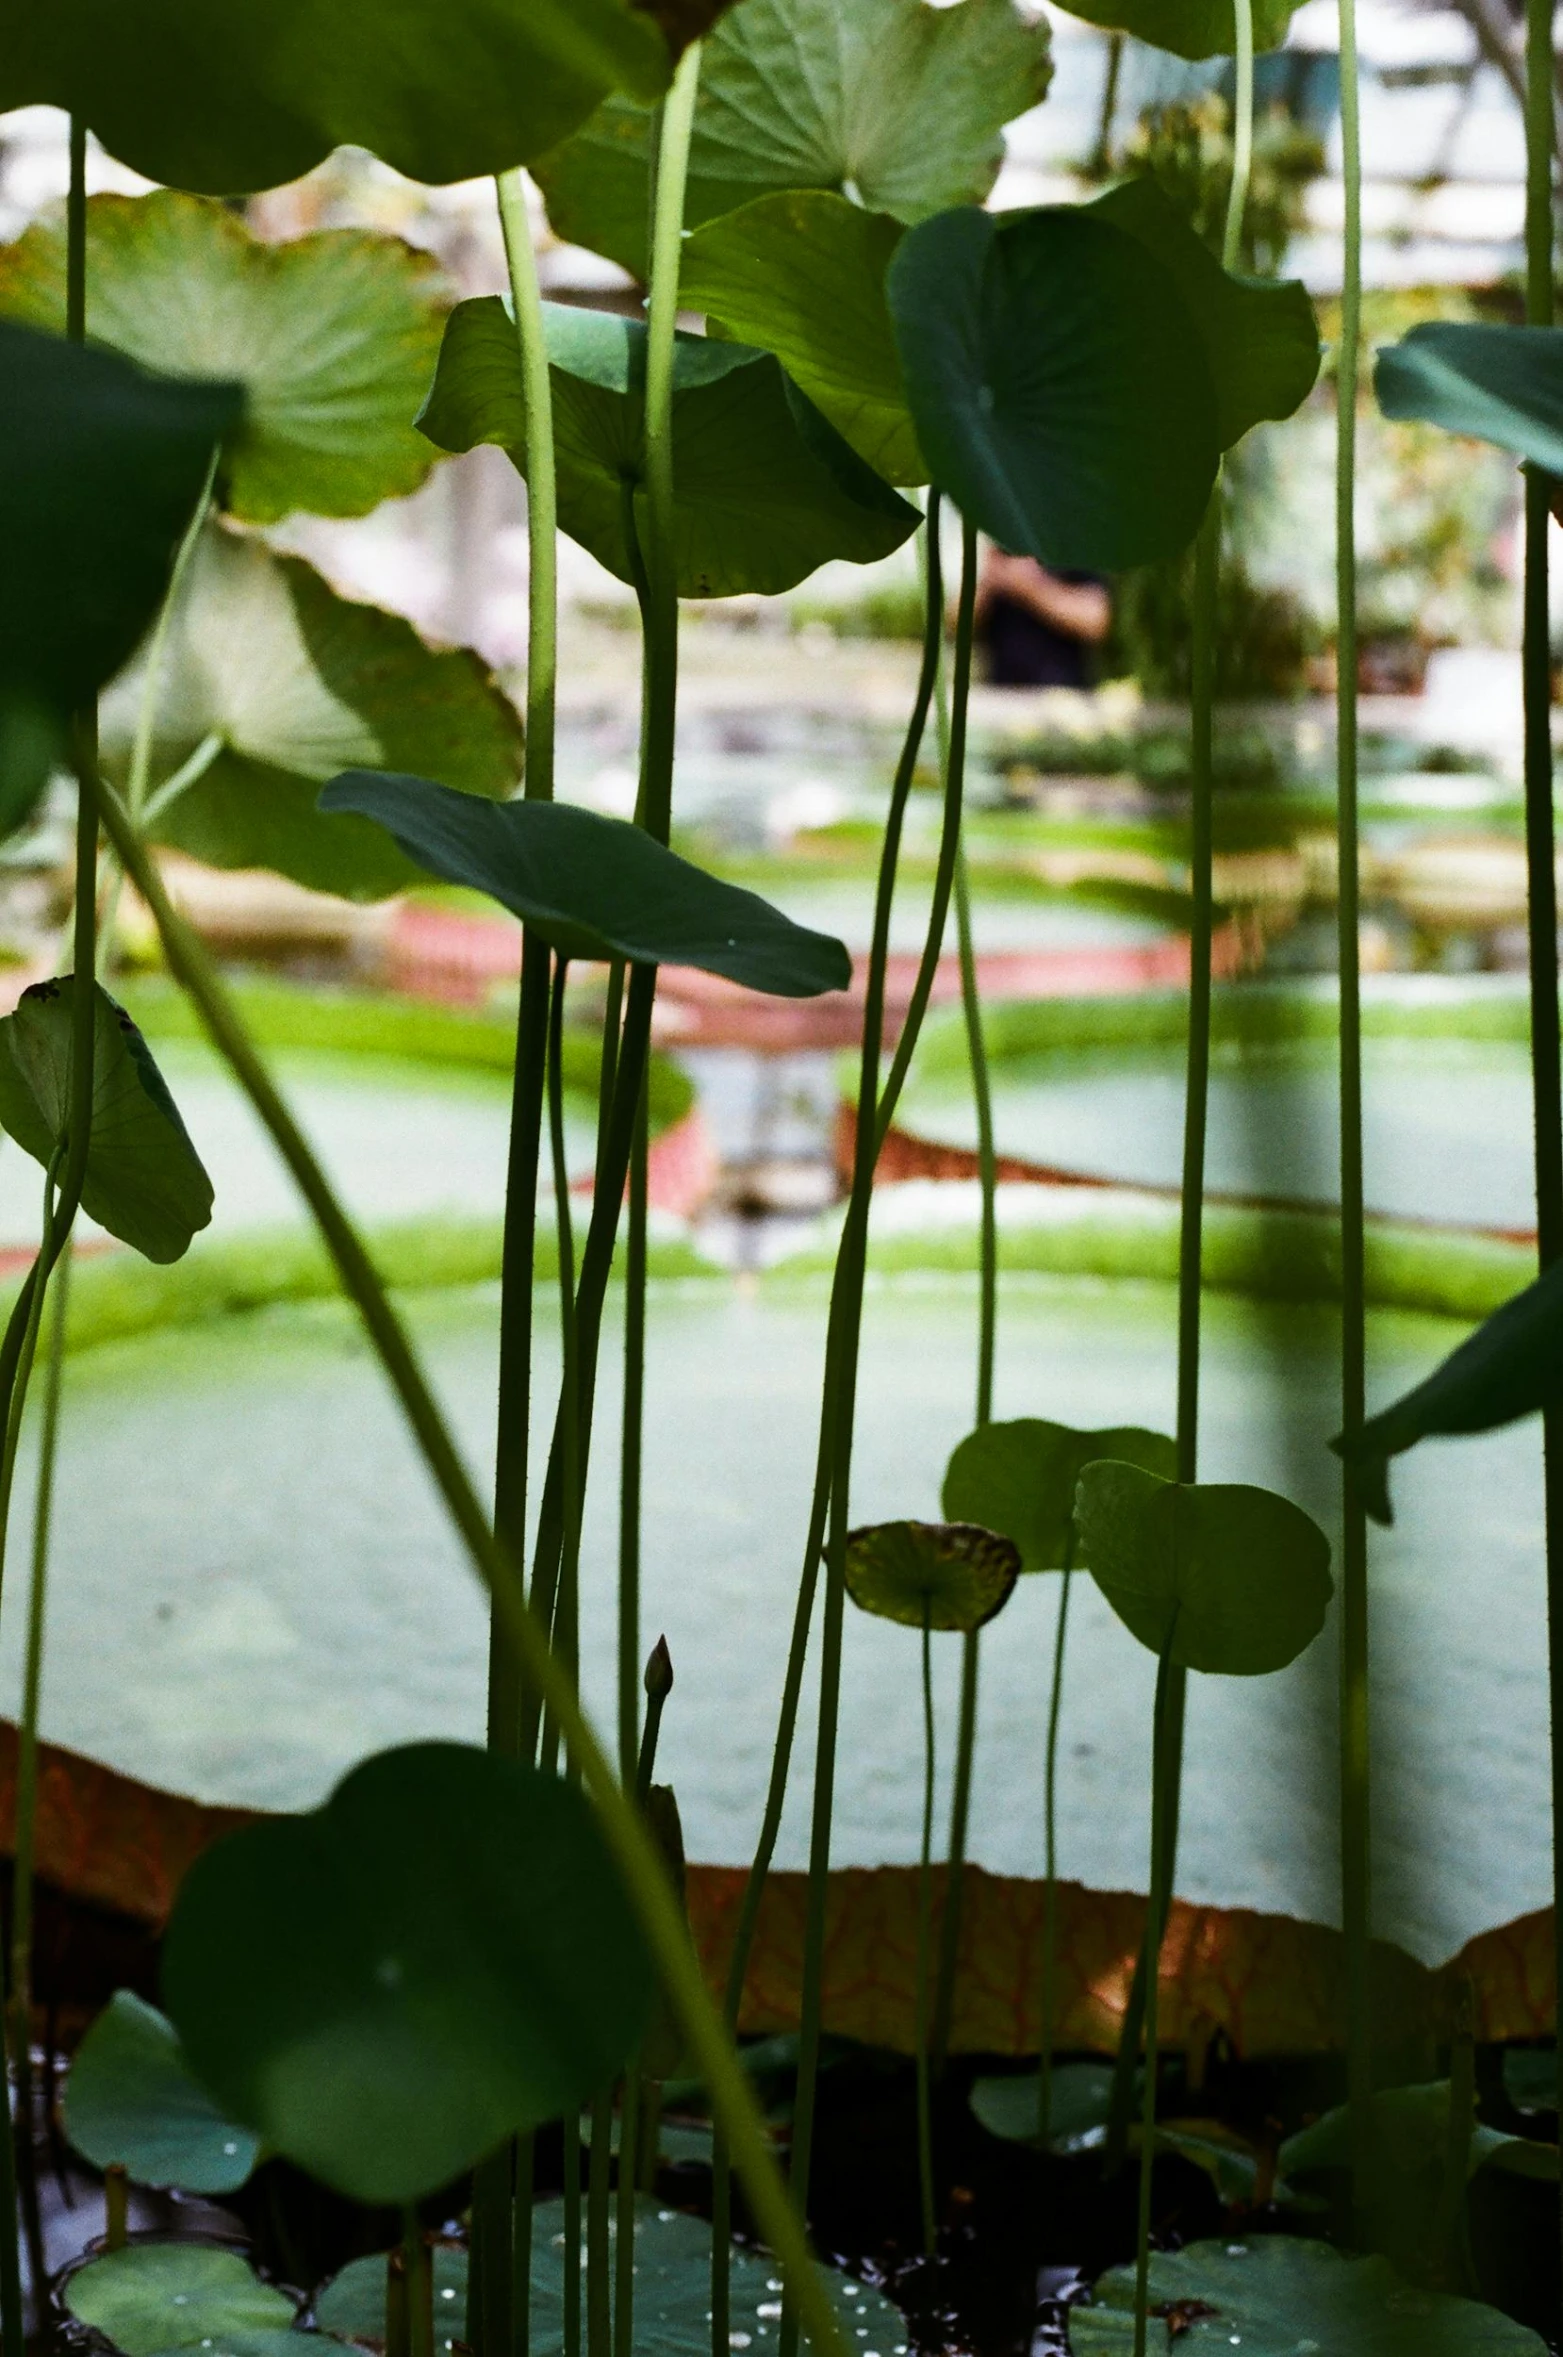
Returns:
<point x="667" y="230"/>
<point x="630" y="1453"/>
<point x="1048" y="2006"/>
<point x="1162" y="1768"/>
<point x="924" y="1935"/>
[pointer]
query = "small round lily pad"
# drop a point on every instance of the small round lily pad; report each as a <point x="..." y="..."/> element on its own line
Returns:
<point x="953" y="1575"/>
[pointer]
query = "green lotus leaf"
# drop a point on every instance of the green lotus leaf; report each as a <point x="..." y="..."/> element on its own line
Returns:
<point x="333" y="337"/>
<point x="1500" y="384"/>
<point x="351" y="2307"/>
<point x="1512" y="1366"/>
<point x="174" y="2295"/>
<point x="596" y="887"/>
<point x="1279" y="2296"/>
<point x="1260" y="335"/>
<point x="440" y="1956"/>
<point x="765" y="489"/>
<point x="1411" y="2137"/>
<point x="802" y="274"/>
<point x="133" y="2100"/>
<point x="950" y="1575"/>
<point x="1530" y="2078"/>
<point x="225" y="96"/>
<point x="144" y="1181"/>
<point x="1020" y="1477"/>
<point x="1079" y="2106"/>
<point x="1058" y="383"/>
<point x="1237" y="1579"/>
<point x="270" y="684"/>
<point x="1189" y="28"/>
<point x="891" y="102"/>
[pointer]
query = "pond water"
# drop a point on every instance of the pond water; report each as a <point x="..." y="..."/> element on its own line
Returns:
<point x="253" y="1585"/>
<point x="1447" y="1121"/>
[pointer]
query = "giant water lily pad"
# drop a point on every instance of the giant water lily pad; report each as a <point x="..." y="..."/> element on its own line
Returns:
<point x="897" y="104"/>
<point x="276" y="682"/>
<point x="230" y="95"/>
<point x="144" y="1180"/>
<point x="1189" y="28"/>
<point x="133" y="2100"/>
<point x="1058" y="383"/>
<point x="1500" y="384"/>
<point x="174" y="2295"/>
<point x="765" y="490"/>
<point x="1235" y="1579"/>
<point x="1280" y="2297"/>
<point x="1019" y="1477"/>
<point x="440" y="1956"/>
<point x="942" y="1575"/>
<point x="333" y="337"/>
<point x="597" y="887"/>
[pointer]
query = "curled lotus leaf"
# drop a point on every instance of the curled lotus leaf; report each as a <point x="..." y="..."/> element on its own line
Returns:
<point x="945" y="1575"/>
<point x="1019" y="1477"/>
<point x="1499" y="384"/>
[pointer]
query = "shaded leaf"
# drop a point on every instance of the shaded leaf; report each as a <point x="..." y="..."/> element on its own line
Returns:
<point x="952" y="1573"/>
<point x="1236" y="1578"/>
<point x="1057" y="382"/>
<point x="1501" y="384"/>
<point x="167" y="2295"/>
<point x="765" y="489"/>
<point x="296" y="683"/>
<point x="144" y="1181"/>
<point x="132" y="2099"/>
<point x="334" y="338"/>
<point x="351" y="2307"/>
<point x="225" y="96"/>
<point x="1019" y="1477"/>
<point x="1530" y="2078"/>
<point x="1079" y="2101"/>
<point x="1189" y="28"/>
<point x="1411" y="2132"/>
<point x="440" y="1956"/>
<point x="596" y="887"/>
<point x="893" y="103"/>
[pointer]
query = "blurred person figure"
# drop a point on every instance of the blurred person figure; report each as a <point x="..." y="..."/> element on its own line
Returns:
<point x="1036" y="627"/>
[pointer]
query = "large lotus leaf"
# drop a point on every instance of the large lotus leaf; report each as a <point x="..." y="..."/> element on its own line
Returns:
<point x="333" y="337"/>
<point x="1281" y="2297"/>
<point x="1501" y="384"/>
<point x="765" y="489"/>
<point x="1260" y="335"/>
<point x="100" y="468"/>
<point x="897" y="104"/>
<point x="440" y="1956"/>
<point x="1411" y="2137"/>
<point x="171" y="2295"/>
<point x="133" y="2100"/>
<point x="1058" y="383"/>
<point x="1236" y="1578"/>
<point x="597" y="887"/>
<point x="225" y="96"/>
<point x="1019" y="1477"/>
<point x="1189" y="28"/>
<point x="947" y="1575"/>
<point x="296" y="683"/>
<point x="802" y="274"/>
<point x="351" y="2307"/>
<point x="144" y="1181"/>
<point x="1512" y="1366"/>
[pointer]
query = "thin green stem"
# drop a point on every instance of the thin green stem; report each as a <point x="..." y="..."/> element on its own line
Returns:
<point x="960" y="1822"/>
<point x="639" y="1862"/>
<point x="661" y="641"/>
<point x="599" y="2254"/>
<point x="1242" y="133"/>
<point x="420" y="2288"/>
<point x="1162" y="1767"/>
<point x="624" y="2271"/>
<point x="1047" y="2008"/>
<point x="982" y="1098"/>
<point x="542" y="508"/>
<point x="924" y="1941"/>
<point x="630" y="1451"/>
<point x="567" y="1616"/>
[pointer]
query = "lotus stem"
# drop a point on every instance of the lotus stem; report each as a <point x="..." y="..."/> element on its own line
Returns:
<point x="924" y="1937"/>
<point x="1162" y="1770"/>
<point x="1048" y="1995"/>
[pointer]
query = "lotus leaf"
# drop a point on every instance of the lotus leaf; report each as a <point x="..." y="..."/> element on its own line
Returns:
<point x="1501" y="384"/>
<point x="765" y="489"/>
<point x="1530" y="2078"/>
<point x="132" y="2099"/>
<point x="1189" y="28"/>
<point x="1411" y="2131"/>
<point x="161" y="2295"/>
<point x="1235" y="1579"/>
<point x="949" y="1575"/>
<point x="1079" y="2101"/>
<point x="893" y="103"/>
<point x="596" y="887"/>
<point x="440" y="1956"/>
<point x="352" y="2305"/>
<point x="1019" y="1477"/>
<point x="1058" y="383"/>
<point x="333" y="337"/>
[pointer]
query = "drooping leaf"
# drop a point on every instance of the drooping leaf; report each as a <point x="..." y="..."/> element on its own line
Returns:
<point x="1079" y="2102"/>
<point x="1260" y="336"/>
<point x="225" y="96"/>
<point x="1237" y="1578"/>
<point x="440" y="1956"/>
<point x="1411" y="2136"/>
<point x="896" y="104"/>
<point x="765" y="489"/>
<point x="1500" y="384"/>
<point x="333" y="337"/>
<point x="132" y="2099"/>
<point x="1189" y="28"/>
<point x="1282" y="2297"/>
<point x="951" y="1573"/>
<point x="1058" y="384"/>
<point x="144" y="1181"/>
<point x="596" y="887"/>
<point x="1512" y="1366"/>
<point x="1019" y="1477"/>
<point x="296" y="683"/>
<point x="174" y="2295"/>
